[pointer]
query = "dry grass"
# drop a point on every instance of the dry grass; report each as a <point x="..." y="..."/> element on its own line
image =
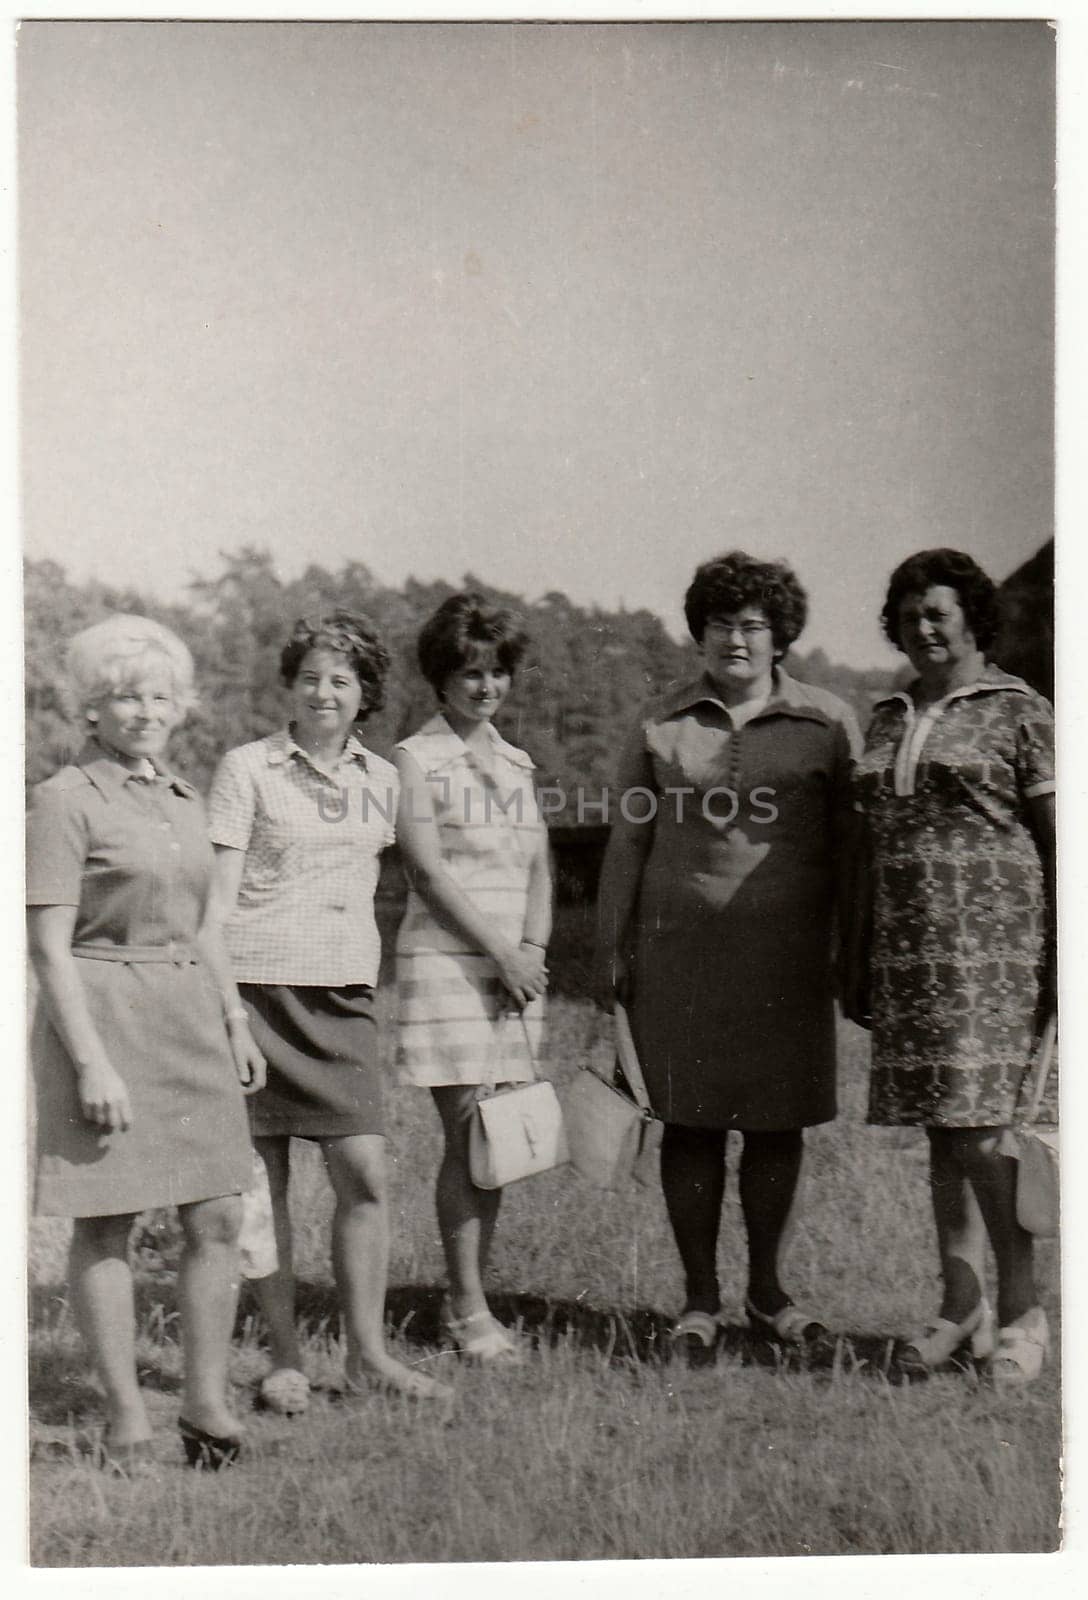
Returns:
<point x="598" y="1446"/>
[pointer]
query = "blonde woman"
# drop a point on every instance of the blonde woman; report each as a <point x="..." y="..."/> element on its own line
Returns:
<point x="141" y="1048"/>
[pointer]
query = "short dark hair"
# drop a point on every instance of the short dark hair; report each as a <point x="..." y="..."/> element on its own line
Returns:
<point x="730" y="582"/>
<point x="463" y="624"/>
<point x="950" y="569"/>
<point x="349" y="634"/>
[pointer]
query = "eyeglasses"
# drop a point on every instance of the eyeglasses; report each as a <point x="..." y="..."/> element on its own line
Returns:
<point x="721" y="629"/>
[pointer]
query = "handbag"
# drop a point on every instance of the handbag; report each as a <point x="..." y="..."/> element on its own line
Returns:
<point x="613" y="1131"/>
<point x="257" y="1237"/>
<point x="1038" y="1189"/>
<point x="517" y="1132"/>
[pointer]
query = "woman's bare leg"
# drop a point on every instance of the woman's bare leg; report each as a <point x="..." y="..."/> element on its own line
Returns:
<point x="466" y="1215"/>
<point x="360" y="1258"/>
<point x="993" y="1179"/>
<point x="208" y="1294"/>
<point x="100" y="1283"/>
<point x="276" y="1293"/>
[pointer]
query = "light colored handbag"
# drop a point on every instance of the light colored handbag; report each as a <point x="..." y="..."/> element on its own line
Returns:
<point x="613" y="1133"/>
<point x="1038" y="1190"/>
<point x="516" y="1132"/>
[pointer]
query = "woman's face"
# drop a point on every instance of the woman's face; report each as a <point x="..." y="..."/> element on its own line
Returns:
<point x="137" y="718"/>
<point x="738" y="648"/>
<point x="474" y="693"/>
<point x="933" y="630"/>
<point x="325" y="697"/>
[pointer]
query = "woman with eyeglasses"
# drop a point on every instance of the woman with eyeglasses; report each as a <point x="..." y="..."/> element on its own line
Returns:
<point x="716" y="922"/>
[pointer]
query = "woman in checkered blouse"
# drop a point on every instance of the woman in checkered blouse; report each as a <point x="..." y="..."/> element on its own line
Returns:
<point x="299" y="820"/>
<point x="470" y="952"/>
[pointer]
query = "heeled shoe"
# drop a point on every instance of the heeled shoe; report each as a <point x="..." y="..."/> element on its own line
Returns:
<point x="477" y="1337"/>
<point x="1021" y="1350"/>
<point x="134" y="1460"/>
<point x="791" y="1326"/>
<point x="941" y="1339"/>
<point x="208" y="1450"/>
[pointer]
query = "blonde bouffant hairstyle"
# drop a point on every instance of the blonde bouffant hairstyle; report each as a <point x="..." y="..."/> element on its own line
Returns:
<point x="121" y="650"/>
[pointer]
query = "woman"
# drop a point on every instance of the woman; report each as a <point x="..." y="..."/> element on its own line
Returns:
<point x="299" y="820"/>
<point x="471" y="949"/>
<point x="715" y="915"/>
<point x="956" y="787"/>
<point x="140" y="1045"/>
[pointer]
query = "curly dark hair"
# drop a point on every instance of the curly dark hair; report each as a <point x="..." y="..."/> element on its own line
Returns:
<point x="349" y="634"/>
<point x="462" y="624"/>
<point x="950" y="569"/>
<point x="730" y="582"/>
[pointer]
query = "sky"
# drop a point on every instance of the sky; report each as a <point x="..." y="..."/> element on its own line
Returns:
<point x="568" y="307"/>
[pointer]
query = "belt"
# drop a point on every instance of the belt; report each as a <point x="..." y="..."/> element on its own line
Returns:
<point x="177" y="955"/>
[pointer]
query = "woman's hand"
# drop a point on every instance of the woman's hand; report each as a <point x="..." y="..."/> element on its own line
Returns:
<point x="523" y="972"/>
<point x="103" y="1097"/>
<point x="249" y="1064"/>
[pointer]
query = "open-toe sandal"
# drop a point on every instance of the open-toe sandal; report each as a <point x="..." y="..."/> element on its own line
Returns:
<point x="792" y="1325"/>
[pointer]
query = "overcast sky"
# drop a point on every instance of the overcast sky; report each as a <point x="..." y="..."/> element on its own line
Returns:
<point x="571" y="307"/>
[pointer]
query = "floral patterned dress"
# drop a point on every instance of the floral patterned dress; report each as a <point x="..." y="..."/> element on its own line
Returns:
<point x="960" y="919"/>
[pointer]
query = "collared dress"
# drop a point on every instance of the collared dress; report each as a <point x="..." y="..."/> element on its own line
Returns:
<point x="303" y="938"/>
<point x="132" y="855"/>
<point x="731" y="1001"/>
<point x="958" y="905"/>
<point x="456" y="1021"/>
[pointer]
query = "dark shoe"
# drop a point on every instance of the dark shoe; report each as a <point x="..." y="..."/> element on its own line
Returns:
<point x="208" y="1450"/>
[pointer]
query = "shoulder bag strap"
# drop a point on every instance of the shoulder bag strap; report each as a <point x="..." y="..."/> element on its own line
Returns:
<point x="1046" y="1057"/>
<point x="629" y="1062"/>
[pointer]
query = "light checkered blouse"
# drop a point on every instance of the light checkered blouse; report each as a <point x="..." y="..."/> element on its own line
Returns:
<point x="305" y="911"/>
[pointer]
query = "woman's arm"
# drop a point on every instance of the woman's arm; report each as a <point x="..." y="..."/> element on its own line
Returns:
<point x="621" y="875"/>
<point x="103" y="1097"/>
<point x="520" y="968"/>
<point x="248" y="1060"/>
<point x="1041" y="811"/>
<point x="538" y="910"/>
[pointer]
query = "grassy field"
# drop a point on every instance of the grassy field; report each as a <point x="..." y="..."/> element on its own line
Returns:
<point x="599" y="1446"/>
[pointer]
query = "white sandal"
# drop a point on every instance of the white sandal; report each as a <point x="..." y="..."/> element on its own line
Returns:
<point x="698" y="1330"/>
<point x="285" y="1391"/>
<point x="1021" y="1350"/>
<point x="477" y="1337"/>
<point x="792" y="1325"/>
<point x="940" y="1339"/>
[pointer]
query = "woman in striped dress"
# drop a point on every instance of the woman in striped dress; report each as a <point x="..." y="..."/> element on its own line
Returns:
<point x="470" y="952"/>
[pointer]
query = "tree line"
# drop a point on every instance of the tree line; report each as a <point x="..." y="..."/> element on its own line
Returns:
<point x="587" y="672"/>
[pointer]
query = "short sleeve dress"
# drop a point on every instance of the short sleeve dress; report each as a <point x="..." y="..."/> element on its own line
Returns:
<point x="732" y="1003"/>
<point x="302" y="937"/>
<point x="133" y="856"/>
<point x="958" y="905"/>
<point x="457" y="1024"/>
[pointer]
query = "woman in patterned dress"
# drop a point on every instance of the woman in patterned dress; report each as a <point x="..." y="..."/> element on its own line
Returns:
<point x="716" y="915"/>
<point x="956" y="787"/>
<point x="470" y="952"/>
<point x="299" y="820"/>
<point x="141" y="1048"/>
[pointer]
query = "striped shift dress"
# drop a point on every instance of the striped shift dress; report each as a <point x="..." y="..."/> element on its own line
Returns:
<point x="456" y="1021"/>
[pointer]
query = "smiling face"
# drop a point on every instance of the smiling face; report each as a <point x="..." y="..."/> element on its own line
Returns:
<point x="136" y="718"/>
<point x="325" y="698"/>
<point x="933" y="631"/>
<point x="474" y="693"/>
<point x="738" y="650"/>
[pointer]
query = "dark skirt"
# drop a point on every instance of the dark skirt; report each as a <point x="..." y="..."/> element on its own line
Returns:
<point x="321" y="1045"/>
